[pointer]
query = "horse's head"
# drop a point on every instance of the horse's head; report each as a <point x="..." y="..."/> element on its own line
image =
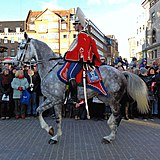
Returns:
<point x="24" y="53"/>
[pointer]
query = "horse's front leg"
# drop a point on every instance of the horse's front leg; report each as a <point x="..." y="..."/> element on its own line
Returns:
<point x="54" y="139"/>
<point x="43" y="107"/>
<point x="113" y="122"/>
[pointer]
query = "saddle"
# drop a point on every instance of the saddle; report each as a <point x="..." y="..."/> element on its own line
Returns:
<point x="93" y="77"/>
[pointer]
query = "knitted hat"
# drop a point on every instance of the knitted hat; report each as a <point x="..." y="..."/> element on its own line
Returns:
<point x="102" y="58"/>
<point x="134" y="59"/>
<point x="143" y="70"/>
<point x="4" y="69"/>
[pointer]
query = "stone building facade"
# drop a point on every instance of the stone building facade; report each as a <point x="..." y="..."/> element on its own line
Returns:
<point x="56" y="29"/>
<point x="151" y="48"/>
<point x="11" y="34"/>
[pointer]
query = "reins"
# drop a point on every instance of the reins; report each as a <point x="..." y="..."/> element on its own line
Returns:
<point x="39" y="61"/>
<point x="58" y="63"/>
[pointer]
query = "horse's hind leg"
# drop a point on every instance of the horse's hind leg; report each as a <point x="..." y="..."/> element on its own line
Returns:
<point x="113" y="123"/>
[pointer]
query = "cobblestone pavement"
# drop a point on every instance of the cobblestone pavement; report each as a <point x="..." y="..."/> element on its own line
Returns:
<point x="81" y="140"/>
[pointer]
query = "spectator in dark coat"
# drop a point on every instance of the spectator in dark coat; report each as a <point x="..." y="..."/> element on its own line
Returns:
<point x="5" y="93"/>
<point x="34" y="81"/>
<point x="148" y="80"/>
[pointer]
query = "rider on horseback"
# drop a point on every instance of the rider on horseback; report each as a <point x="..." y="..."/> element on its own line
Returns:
<point x="81" y="54"/>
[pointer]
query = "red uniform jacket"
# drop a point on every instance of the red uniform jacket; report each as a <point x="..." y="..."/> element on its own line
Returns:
<point x="85" y="49"/>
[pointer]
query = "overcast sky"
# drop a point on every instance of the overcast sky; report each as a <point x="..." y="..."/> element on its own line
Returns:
<point x="117" y="17"/>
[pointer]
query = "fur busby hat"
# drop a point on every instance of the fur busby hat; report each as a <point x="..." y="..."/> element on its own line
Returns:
<point x="80" y="18"/>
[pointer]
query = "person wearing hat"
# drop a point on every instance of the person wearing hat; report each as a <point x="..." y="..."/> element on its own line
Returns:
<point x="103" y="60"/>
<point x="19" y="84"/>
<point x="143" y="63"/>
<point x="82" y="52"/>
<point x="5" y="93"/>
<point x="133" y="63"/>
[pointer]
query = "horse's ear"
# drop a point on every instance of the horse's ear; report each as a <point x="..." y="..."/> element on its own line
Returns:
<point x="25" y="35"/>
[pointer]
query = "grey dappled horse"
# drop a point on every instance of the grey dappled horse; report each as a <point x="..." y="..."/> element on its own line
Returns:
<point x="118" y="84"/>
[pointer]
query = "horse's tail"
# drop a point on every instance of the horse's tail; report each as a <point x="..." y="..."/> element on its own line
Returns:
<point x="138" y="90"/>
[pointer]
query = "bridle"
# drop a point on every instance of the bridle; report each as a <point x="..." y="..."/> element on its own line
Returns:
<point x="23" y="46"/>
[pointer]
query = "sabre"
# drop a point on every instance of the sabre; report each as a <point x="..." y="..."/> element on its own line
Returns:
<point x="85" y="93"/>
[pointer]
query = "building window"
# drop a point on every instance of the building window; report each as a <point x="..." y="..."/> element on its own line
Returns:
<point x="52" y="25"/>
<point x="55" y="25"/>
<point x="71" y="17"/>
<point x="64" y="26"/>
<point x="153" y="36"/>
<point x="153" y="17"/>
<point x="140" y="42"/>
<point x="19" y="39"/>
<point x="42" y="28"/>
<point x="17" y="29"/>
<point x="74" y="35"/>
<point x="32" y="27"/>
<point x="64" y="36"/>
<point x="155" y="54"/>
<point x="5" y="30"/>
<point x="152" y="55"/>
<point x="53" y="36"/>
<point x="153" y="2"/>
<point x="143" y="27"/>
<point x="12" y="52"/>
<point x="137" y="43"/>
<point x="5" y="54"/>
<point x="5" y="40"/>
<point x="12" y="39"/>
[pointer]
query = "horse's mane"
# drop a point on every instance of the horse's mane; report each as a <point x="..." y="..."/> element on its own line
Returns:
<point x="43" y="49"/>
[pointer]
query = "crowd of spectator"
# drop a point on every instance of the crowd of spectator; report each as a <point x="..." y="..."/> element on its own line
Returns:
<point x="14" y="80"/>
<point x="150" y="74"/>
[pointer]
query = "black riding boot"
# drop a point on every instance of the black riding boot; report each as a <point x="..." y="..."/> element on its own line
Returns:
<point x="73" y="90"/>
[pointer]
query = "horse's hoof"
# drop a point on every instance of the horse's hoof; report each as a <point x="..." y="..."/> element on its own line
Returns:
<point x="51" y="141"/>
<point x="51" y="131"/>
<point x="105" y="141"/>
